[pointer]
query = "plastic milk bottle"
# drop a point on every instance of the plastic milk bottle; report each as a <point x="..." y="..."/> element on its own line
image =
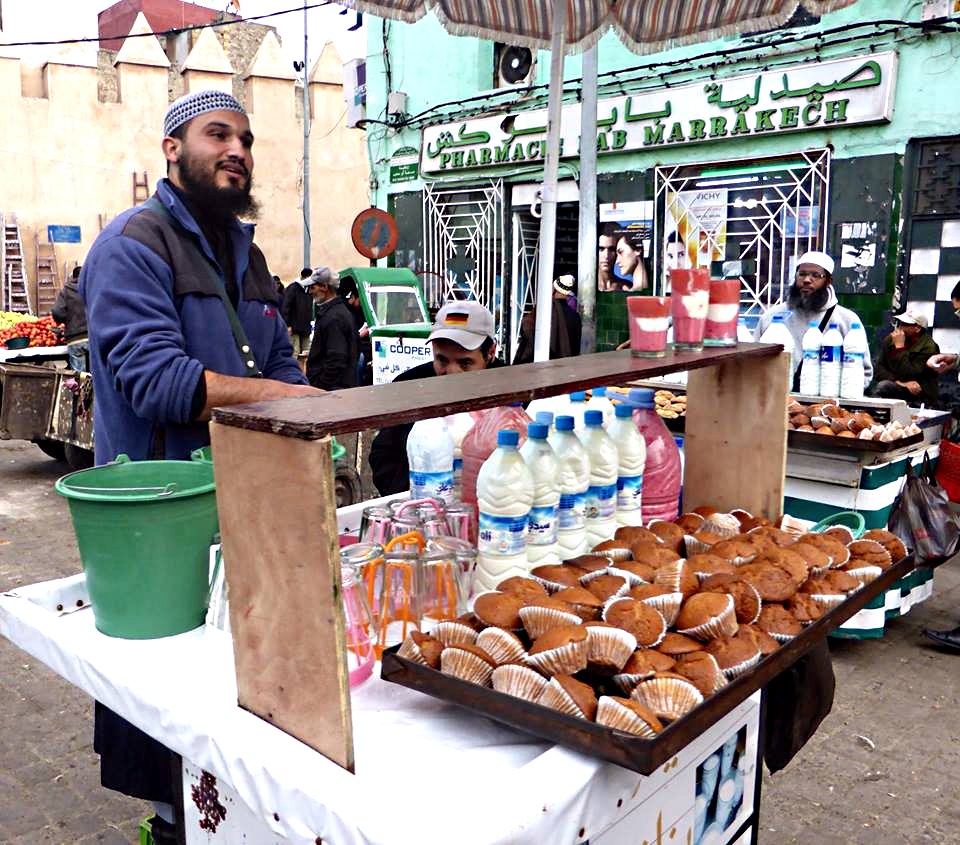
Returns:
<point x="540" y="459"/>
<point x="632" y="452"/>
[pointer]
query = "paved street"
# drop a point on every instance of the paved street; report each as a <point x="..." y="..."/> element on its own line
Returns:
<point x="873" y="773"/>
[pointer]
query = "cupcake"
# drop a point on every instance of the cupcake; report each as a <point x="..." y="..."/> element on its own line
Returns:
<point x="608" y="648"/>
<point x="541" y="615"/>
<point x="632" y="579"/>
<point x="890" y="541"/>
<point x="707" y="615"/>
<point x="518" y="681"/>
<point x="774" y="535"/>
<point x="607" y="586"/>
<point x="641" y="620"/>
<point x="871" y="553"/>
<point x="526" y="588"/>
<point x="648" y="552"/>
<point x="838" y="552"/>
<point x="690" y="523"/>
<point x="670" y="535"/>
<point x="623" y="714"/>
<point x="841" y="580"/>
<point x="675" y="645"/>
<point x="642" y="664"/>
<point x="421" y="648"/>
<point x="634" y="534"/>
<point x="668" y="695"/>
<point x="840" y="533"/>
<point x="766" y="643"/>
<point x="746" y="599"/>
<point x="702" y="670"/>
<point x="817" y="559"/>
<point x="584" y="603"/>
<point x="469" y="663"/>
<point x="677" y="577"/>
<point x="721" y="524"/>
<point x="613" y="549"/>
<point x="824" y="592"/>
<point x="771" y="582"/>
<point x="666" y="603"/>
<point x="500" y="610"/>
<point x="708" y="563"/>
<point x="560" y="651"/>
<point x="736" y="550"/>
<point x="568" y="695"/>
<point x="734" y="654"/>
<point x="778" y="622"/>
<point x="557" y="576"/>
<point x="702" y="541"/>
<point x="589" y="564"/>
<point x="805" y="608"/>
<point x="454" y="632"/>
<point x="863" y="572"/>
<point x="789" y="561"/>
<point x="502" y="646"/>
<point x="645" y="572"/>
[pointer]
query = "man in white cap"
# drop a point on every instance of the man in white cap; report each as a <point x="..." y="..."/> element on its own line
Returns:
<point x="902" y="371"/>
<point x="566" y="327"/>
<point x="463" y="339"/>
<point x="811" y="298"/>
<point x="183" y="316"/>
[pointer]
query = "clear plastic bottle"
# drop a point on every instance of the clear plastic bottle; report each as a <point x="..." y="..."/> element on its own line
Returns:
<point x="852" y="361"/>
<point x="481" y="440"/>
<point x="574" y="481"/>
<point x="577" y="408"/>
<point x="601" y="504"/>
<point x="831" y="352"/>
<point x="540" y="459"/>
<point x="598" y="401"/>
<point x="459" y="425"/>
<point x="662" y="473"/>
<point x="632" y="452"/>
<point x="556" y="405"/>
<point x="777" y="332"/>
<point x="430" y="457"/>
<point x="810" y="366"/>
<point x="504" y="498"/>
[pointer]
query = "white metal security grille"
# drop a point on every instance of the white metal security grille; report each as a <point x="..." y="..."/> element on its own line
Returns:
<point x="526" y="258"/>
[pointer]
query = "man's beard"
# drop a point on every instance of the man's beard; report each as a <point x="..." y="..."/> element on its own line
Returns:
<point x="812" y="302"/>
<point x="219" y="205"/>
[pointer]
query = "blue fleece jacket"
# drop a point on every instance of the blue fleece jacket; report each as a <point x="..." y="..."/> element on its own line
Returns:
<point x="155" y="323"/>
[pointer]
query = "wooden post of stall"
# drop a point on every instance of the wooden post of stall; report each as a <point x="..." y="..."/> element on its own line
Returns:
<point x="278" y="518"/>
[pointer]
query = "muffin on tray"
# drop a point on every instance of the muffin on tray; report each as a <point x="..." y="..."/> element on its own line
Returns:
<point x="668" y="695"/>
<point x="735" y="654"/>
<point x="707" y="615"/>
<point x="628" y="716"/>
<point x="890" y="541"/>
<point x="469" y="663"/>
<point x="568" y="695"/>
<point x="519" y="681"/>
<point x="560" y="651"/>
<point x="421" y="648"/>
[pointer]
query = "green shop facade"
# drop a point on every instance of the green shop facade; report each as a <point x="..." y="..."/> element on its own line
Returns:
<point x="839" y="133"/>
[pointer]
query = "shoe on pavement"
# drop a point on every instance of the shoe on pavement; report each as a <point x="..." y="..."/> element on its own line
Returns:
<point x="951" y="639"/>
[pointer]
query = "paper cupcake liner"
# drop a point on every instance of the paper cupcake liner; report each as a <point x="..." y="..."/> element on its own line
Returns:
<point x="628" y="681"/>
<point x="550" y="586"/>
<point x="732" y="672"/>
<point x="865" y="574"/>
<point x="667" y="605"/>
<point x="609" y="647"/>
<point x="409" y="650"/>
<point x="586" y="579"/>
<point x="466" y="666"/>
<point x="817" y="571"/>
<point x="519" y="681"/>
<point x="782" y="638"/>
<point x="538" y="620"/>
<point x="740" y="560"/>
<point x="612" y="714"/>
<point x="669" y="575"/>
<point x="632" y="579"/>
<point x="450" y="632"/>
<point x="695" y="546"/>
<point x="759" y="605"/>
<point x="565" y="660"/>
<point x="829" y="601"/>
<point x="668" y="698"/>
<point x="842" y="560"/>
<point x="721" y="524"/>
<point x="723" y="624"/>
<point x="501" y="645"/>
<point x="557" y="698"/>
<point x="613" y="554"/>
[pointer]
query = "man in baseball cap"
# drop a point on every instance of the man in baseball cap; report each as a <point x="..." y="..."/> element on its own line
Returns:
<point x="463" y="339"/>
<point x="812" y="299"/>
<point x="902" y="371"/>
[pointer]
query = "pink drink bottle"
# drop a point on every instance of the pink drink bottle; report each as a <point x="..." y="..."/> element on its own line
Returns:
<point x="661" y="474"/>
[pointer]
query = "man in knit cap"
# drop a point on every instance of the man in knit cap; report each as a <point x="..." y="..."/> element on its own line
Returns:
<point x="183" y="316"/>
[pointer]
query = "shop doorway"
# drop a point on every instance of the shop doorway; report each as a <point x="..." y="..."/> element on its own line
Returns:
<point x="746" y="220"/>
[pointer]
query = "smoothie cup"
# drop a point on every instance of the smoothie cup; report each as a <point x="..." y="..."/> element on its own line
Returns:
<point x="690" y="295"/>
<point x="722" y="313"/>
<point x="649" y="320"/>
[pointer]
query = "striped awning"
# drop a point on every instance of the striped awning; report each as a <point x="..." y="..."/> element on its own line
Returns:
<point x="645" y="26"/>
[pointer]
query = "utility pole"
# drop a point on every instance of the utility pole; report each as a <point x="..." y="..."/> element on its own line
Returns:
<point x="306" y="145"/>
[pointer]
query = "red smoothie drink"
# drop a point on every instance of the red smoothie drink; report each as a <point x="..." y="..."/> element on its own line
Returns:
<point x="690" y="295"/>
<point x="722" y="313"/>
<point x="649" y="318"/>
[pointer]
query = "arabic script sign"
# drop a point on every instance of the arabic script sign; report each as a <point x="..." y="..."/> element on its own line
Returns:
<point x="818" y="95"/>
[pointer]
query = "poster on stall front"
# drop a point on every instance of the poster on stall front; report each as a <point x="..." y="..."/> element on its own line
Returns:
<point x="695" y="230"/>
<point x="624" y="243"/>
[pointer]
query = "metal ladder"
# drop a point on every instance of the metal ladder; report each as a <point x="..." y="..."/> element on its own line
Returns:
<point x="48" y="282"/>
<point x="13" y="281"/>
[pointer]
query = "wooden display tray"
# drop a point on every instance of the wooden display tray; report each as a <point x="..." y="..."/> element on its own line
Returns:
<point x="640" y="755"/>
<point x="823" y="443"/>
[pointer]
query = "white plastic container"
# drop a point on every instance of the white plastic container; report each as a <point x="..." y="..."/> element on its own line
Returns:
<point x="540" y="459"/>
<point x="810" y="365"/>
<point x="504" y="499"/>
<point x="831" y="351"/>
<point x="556" y="405"/>
<point x="852" y="362"/>
<point x="577" y="408"/>
<point x="632" y="453"/>
<point x="777" y="332"/>
<point x="598" y="402"/>
<point x="601" y="505"/>
<point x="459" y="425"/>
<point x="574" y="481"/>
<point x="430" y="457"/>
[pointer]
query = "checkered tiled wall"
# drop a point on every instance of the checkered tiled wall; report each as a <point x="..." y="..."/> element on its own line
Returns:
<point x="933" y="271"/>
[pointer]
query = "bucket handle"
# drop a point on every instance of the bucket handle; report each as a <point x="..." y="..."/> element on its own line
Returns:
<point x="215" y="541"/>
<point x="167" y="490"/>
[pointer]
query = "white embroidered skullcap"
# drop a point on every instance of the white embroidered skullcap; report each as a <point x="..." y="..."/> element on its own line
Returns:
<point x="189" y="106"/>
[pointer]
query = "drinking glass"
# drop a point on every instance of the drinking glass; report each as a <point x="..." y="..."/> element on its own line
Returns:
<point x="375" y="524"/>
<point x="400" y="606"/>
<point x="358" y="626"/>
<point x="690" y="300"/>
<point x="722" y="313"/>
<point x="366" y="559"/>
<point x="442" y="593"/>
<point x="649" y="321"/>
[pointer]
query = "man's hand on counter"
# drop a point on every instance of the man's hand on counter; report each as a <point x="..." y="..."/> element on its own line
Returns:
<point x="238" y="390"/>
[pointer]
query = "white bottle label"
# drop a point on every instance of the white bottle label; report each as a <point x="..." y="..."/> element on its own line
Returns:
<point x="811" y="354"/>
<point x="601" y="501"/>
<point x="629" y="492"/>
<point x="432" y="485"/>
<point x="850" y="357"/>
<point x="542" y="528"/>
<point x="502" y="535"/>
<point x="571" y="511"/>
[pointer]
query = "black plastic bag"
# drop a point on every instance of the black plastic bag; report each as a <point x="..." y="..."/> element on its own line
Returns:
<point x="922" y="518"/>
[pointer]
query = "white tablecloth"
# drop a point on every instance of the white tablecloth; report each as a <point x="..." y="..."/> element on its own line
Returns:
<point x="32" y="353"/>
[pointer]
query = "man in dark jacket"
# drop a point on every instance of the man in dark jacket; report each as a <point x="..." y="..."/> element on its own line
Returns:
<point x="297" y="311"/>
<point x="335" y="350"/>
<point x="69" y="310"/>
<point x="901" y="371"/>
<point x="565" y="325"/>
<point x="463" y="339"/>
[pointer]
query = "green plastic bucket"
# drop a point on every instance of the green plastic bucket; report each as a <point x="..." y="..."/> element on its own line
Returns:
<point x="206" y="455"/>
<point x="144" y="530"/>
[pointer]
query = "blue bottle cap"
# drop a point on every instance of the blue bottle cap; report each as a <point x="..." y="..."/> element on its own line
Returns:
<point x="641" y="397"/>
<point x="545" y="417"/>
<point x="623" y="411"/>
<point x="537" y="431"/>
<point x="564" y="423"/>
<point x="578" y="396"/>
<point x="593" y="419"/>
<point x="834" y="326"/>
<point x="598" y="391"/>
<point x="508" y="437"/>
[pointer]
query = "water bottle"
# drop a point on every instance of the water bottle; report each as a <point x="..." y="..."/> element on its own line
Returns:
<point x="851" y="362"/>
<point x="574" y="481"/>
<point x="504" y="498"/>
<point x="601" y="504"/>
<point x="598" y="401"/>
<point x="632" y="453"/>
<point x="777" y="332"/>
<point x="430" y="457"/>
<point x="831" y="351"/>
<point x="480" y="441"/>
<point x="810" y="365"/>
<point x="540" y="459"/>
<point x="459" y="425"/>
<point x="662" y="474"/>
<point x="577" y="408"/>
